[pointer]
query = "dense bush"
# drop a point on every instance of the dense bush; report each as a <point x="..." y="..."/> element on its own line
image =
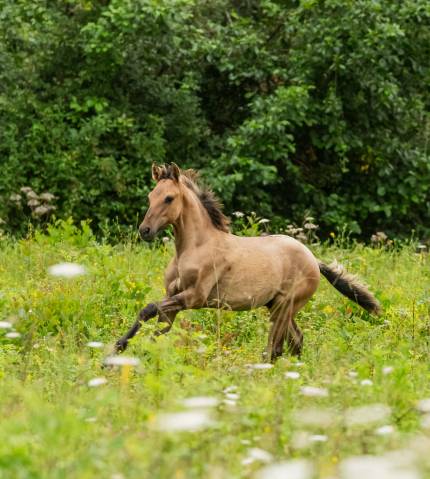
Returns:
<point x="287" y="106"/>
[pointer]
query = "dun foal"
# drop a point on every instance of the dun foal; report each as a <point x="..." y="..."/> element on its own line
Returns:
<point x="213" y="268"/>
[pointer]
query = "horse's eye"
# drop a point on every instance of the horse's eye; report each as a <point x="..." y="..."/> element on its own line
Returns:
<point x="168" y="199"/>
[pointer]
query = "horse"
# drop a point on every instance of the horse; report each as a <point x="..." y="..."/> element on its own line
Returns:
<point x="213" y="268"/>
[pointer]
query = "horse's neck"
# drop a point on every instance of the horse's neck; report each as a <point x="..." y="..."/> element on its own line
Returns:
<point x="193" y="227"/>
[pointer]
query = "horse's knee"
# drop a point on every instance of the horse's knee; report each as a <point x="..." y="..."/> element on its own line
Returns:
<point x="148" y="312"/>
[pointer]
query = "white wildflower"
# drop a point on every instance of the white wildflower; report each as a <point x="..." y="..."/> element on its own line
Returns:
<point x="238" y="214"/>
<point x="232" y="396"/>
<point x="318" y="438"/>
<point x="67" y="270"/>
<point x="315" y="417"/>
<point x="387" y="370"/>
<point x="121" y="361"/>
<point x="365" y="415"/>
<point x="384" y="430"/>
<point x="313" y="391"/>
<point x="200" y="402"/>
<point x="425" y="421"/>
<point x="260" y="366"/>
<point x="294" y="469"/>
<point x="13" y="335"/>
<point x="95" y="382"/>
<point x="292" y="375"/>
<point x="264" y="220"/>
<point x="230" y="403"/>
<point x="374" y="467"/>
<point x="184" y="421"/>
<point x="95" y="344"/>
<point x="256" y="454"/>
<point x="366" y="382"/>
<point x="229" y="389"/>
<point x="352" y="374"/>
<point x="424" y="405"/>
<point x="5" y="325"/>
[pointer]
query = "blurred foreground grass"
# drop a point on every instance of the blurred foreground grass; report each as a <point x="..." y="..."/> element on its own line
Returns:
<point x="54" y="425"/>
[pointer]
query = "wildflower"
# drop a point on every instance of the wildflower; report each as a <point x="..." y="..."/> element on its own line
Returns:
<point x="318" y="438"/>
<point x="257" y="454"/>
<point x="191" y="421"/>
<point x="315" y="417"/>
<point x="375" y="467"/>
<point x="33" y="203"/>
<point x="366" y="382"/>
<point x="260" y="366"/>
<point x="384" y="430"/>
<point x="263" y="221"/>
<point x="200" y="402"/>
<point x="5" y="325"/>
<point x="41" y="211"/>
<point x="425" y="421"/>
<point x="230" y="389"/>
<point x="95" y="344"/>
<point x="66" y="270"/>
<point x="387" y="370"/>
<point x="292" y="375"/>
<point x="26" y="189"/>
<point x="310" y="226"/>
<point x="121" y="361"/>
<point x="47" y="197"/>
<point x="365" y="415"/>
<point x="13" y="335"/>
<point x="424" y="405"/>
<point x="165" y="239"/>
<point x="232" y="396"/>
<point x="312" y="391"/>
<point x="93" y="383"/>
<point x="31" y="195"/>
<point x="352" y="374"/>
<point x="294" y="469"/>
<point x="15" y="198"/>
<point x="238" y="214"/>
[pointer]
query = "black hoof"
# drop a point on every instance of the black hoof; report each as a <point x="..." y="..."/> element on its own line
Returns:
<point x="121" y="345"/>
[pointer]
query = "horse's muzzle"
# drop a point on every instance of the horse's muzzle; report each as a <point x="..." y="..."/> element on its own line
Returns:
<point x="146" y="233"/>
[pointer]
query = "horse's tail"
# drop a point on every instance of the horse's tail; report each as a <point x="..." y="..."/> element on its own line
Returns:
<point x="350" y="286"/>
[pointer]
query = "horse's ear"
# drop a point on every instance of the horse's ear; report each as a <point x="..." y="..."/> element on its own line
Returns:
<point x="156" y="172"/>
<point x="175" y="171"/>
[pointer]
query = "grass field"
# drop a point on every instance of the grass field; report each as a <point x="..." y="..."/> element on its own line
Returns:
<point x="371" y="374"/>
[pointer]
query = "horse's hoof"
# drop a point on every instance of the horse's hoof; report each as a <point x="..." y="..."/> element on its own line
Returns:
<point x="121" y="345"/>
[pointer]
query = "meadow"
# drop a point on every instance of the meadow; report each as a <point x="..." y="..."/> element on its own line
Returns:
<point x="198" y="403"/>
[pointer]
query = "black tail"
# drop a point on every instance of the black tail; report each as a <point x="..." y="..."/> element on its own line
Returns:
<point x="349" y="286"/>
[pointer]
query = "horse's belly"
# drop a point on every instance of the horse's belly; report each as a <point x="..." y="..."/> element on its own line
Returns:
<point x="243" y="295"/>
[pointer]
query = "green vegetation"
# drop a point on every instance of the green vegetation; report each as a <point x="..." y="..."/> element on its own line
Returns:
<point x="288" y="107"/>
<point x="54" y="425"/>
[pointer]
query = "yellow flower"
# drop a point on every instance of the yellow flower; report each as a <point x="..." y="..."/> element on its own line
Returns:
<point x="333" y="235"/>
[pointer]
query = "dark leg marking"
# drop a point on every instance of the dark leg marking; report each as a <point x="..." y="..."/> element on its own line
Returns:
<point x="147" y="313"/>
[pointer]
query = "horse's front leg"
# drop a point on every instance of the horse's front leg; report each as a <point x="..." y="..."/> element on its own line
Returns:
<point x="167" y="308"/>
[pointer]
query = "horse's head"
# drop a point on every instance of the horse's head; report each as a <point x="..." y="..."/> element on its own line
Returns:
<point x="165" y="201"/>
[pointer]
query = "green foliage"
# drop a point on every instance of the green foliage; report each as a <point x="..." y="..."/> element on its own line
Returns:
<point x="287" y="106"/>
<point x="54" y="425"/>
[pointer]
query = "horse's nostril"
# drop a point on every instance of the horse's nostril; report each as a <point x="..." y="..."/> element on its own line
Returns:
<point x="145" y="231"/>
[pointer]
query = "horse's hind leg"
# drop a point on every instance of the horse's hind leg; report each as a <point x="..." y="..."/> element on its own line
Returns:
<point x="284" y="328"/>
<point x="168" y="318"/>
